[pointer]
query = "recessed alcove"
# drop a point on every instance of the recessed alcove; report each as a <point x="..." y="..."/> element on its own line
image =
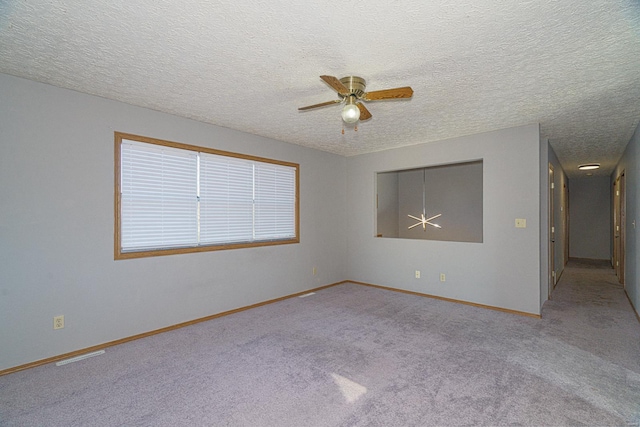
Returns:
<point x="452" y="191"/>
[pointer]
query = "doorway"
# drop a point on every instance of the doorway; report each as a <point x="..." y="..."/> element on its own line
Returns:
<point x="552" y="231"/>
<point x="619" y="226"/>
<point x="565" y="222"/>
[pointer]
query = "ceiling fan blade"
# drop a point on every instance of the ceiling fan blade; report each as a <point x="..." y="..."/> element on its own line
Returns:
<point x="364" y="113"/>
<point x="336" y="84"/>
<point x="397" y="93"/>
<point x="335" y="101"/>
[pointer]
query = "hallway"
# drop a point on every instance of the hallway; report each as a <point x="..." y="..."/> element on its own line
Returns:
<point x="590" y="314"/>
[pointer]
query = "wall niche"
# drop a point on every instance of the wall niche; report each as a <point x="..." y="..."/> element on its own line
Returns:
<point x="453" y="191"/>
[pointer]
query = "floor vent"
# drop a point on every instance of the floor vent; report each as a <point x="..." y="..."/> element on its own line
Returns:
<point x="84" y="356"/>
<point x="307" y="295"/>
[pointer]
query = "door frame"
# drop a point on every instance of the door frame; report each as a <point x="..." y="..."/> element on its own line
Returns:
<point x="552" y="237"/>
<point x="565" y="219"/>
<point x="619" y="226"/>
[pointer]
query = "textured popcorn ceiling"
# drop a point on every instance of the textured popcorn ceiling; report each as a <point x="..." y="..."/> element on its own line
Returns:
<point x="572" y="65"/>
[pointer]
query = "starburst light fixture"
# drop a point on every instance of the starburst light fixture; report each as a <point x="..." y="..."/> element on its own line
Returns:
<point x="423" y="220"/>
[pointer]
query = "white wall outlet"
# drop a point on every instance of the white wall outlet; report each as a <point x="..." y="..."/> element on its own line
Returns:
<point x="315" y="271"/>
<point x="521" y="223"/>
<point x="443" y="278"/>
<point x="417" y="274"/>
<point x="58" y="322"/>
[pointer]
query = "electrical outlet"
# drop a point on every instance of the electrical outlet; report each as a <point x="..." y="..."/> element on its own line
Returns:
<point x="417" y="274"/>
<point x="315" y="271"/>
<point x="58" y="322"/>
<point x="443" y="278"/>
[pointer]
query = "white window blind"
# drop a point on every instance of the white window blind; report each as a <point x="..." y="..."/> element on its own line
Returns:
<point x="179" y="198"/>
<point x="274" y="201"/>
<point x="159" y="197"/>
<point x="226" y="199"/>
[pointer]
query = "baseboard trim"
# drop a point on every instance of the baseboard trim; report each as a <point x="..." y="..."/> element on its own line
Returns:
<point x="632" y="306"/>
<point x="155" y="332"/>
<point x="473" y="304"/>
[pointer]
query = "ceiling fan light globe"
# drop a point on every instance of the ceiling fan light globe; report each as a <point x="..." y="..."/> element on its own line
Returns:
<point x="350" y="113"/>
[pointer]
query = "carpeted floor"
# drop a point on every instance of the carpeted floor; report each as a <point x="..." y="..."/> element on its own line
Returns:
<point x="352" y="355"/>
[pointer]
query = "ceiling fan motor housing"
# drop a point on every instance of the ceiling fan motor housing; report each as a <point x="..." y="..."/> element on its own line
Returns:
<point x="356" y="86"/>
<point x="351" y="90"/>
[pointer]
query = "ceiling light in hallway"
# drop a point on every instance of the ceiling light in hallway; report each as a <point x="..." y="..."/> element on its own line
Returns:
<point x="589" y="166"/>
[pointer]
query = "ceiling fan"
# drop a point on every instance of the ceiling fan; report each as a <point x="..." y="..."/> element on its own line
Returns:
<point x="351" y="90"/>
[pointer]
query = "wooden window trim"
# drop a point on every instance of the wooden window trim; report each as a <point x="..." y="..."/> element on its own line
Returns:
<point x="118" y="254"/>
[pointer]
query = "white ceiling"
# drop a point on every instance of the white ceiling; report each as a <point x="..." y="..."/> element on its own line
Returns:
<point x="573" y="65"/>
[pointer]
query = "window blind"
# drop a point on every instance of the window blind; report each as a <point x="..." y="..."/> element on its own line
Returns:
<point x="158" y="197"/>
<point x="180" y="198"/>
<point x="275" y="193"/>
<point x="226" y="199"/>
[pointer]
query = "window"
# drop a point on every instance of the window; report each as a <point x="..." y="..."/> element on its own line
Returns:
<point x="175" y="198"/>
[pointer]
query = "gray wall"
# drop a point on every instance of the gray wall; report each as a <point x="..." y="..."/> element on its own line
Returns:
<point x="56" y="228"/>
<point x="590" y="217"/>
<point x="502" y="271"/>
<point x="630" y="164"/>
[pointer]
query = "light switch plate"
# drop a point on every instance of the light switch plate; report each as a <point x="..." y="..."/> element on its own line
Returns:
<point x="521" y="223"/>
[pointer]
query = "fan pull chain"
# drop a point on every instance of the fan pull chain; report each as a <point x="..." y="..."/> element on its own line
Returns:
<point x="355" y="129"/>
